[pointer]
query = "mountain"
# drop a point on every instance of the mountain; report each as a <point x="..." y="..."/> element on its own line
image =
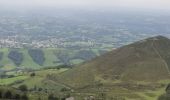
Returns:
<point x="147" y="60"/>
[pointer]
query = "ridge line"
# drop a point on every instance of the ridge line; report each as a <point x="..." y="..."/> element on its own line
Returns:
<point x="157" y="52"/>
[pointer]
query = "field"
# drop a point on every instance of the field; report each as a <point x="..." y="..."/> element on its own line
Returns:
<point x="117" y="90"/>
<point x="25" y="78"/>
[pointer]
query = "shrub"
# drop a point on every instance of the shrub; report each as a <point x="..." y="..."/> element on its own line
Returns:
<point x="63" y="98"/>
<point x="162" y="97"/>
<point x="40" y="89"/>
<point x="51" y="97"/>
<point x="32" y="74"/>
<point x="64" y="89"/>
<point x="16" y="96"/>
<point x="1" y="93"/>
<point x="24" y="97"/>
<point x="23" y="88"/>
<point x="8" y="94"/>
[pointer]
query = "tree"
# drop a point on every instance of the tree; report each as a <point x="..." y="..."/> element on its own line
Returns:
<point x="39" y="98"/>
<point x="8" y="95"/>
<point x="1" y="93"/>
<point x="64" y="89"/>
<point x="16" y="96"/>
<point x="24" y="97"/>
<point x="51" y="97"/>
<point x="32" y="74"/>
<point x="40" y="89"/>
<point x="23" y="88"/>
<point x="35" y="87"/>
<point x="67" y="95"/>
<point x="63" y="98"/>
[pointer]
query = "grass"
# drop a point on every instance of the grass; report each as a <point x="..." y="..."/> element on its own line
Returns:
<point x="40" y="80"/>
<point x="28" y="62"/>
<point x="43" y="73"/>
<point x="151" y="95"/>
<point x="76" y="61"/>
<point x="7" y="63"/>
<point x="8" y="81"/>
<point x="51" y="60"/>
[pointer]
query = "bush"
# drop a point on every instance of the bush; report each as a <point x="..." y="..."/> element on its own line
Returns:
<point x="16" y="96"/>
<point x="162" y="97"/>
<point x="32" y="74"/>
<point x="1" y="94"/>
<point x="23" y="88"/>
<point x="40" y="89"/>
<point x="24" y="97"/>
<point x="63" y="98"/>
<point x="8" y="94"/>
<point x="12" y="94"/>
<point x="64" y="89"/>
<point x="51" y="97"/>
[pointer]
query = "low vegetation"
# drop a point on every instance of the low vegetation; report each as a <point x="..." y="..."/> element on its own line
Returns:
<point x="8" y="93"/>
<point x="43" y="57"/>
<point x="134" y="72"/>
<point x="85" y="55"/>
<point x="37" y="56"/>
<point x="16" y="57"/>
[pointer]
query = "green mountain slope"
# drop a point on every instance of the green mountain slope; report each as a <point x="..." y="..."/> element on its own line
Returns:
<point x="144" y="61"/>
<point x="40" y="58"/>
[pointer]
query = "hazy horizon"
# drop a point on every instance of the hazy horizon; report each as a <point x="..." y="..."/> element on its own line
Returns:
<point x="145" y="5"/>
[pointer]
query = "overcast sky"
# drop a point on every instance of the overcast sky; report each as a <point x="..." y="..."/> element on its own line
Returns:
<point x="141" y="4"/>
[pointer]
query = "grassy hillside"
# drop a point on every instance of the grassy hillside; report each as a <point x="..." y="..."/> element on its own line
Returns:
<point x="42" y="84"/>
<point x="40" y="79"/>
<point x="139" y="71"/>
<point x="40" y="58"/>
<point x="37" y="82"/>
<point x="142" y="61"/>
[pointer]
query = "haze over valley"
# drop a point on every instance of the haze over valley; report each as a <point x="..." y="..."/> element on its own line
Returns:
<point x="84" y="50"/>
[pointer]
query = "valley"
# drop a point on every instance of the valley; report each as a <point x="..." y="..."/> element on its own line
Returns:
<point x="78" y="54"/>
<point x="143" y="77"/>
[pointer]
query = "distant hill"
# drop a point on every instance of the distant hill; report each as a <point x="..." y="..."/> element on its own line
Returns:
<point x="147" y="60"/>
<point x="44" y="57"/>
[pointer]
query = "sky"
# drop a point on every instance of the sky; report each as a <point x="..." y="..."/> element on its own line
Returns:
<point x="131" y="4"/>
